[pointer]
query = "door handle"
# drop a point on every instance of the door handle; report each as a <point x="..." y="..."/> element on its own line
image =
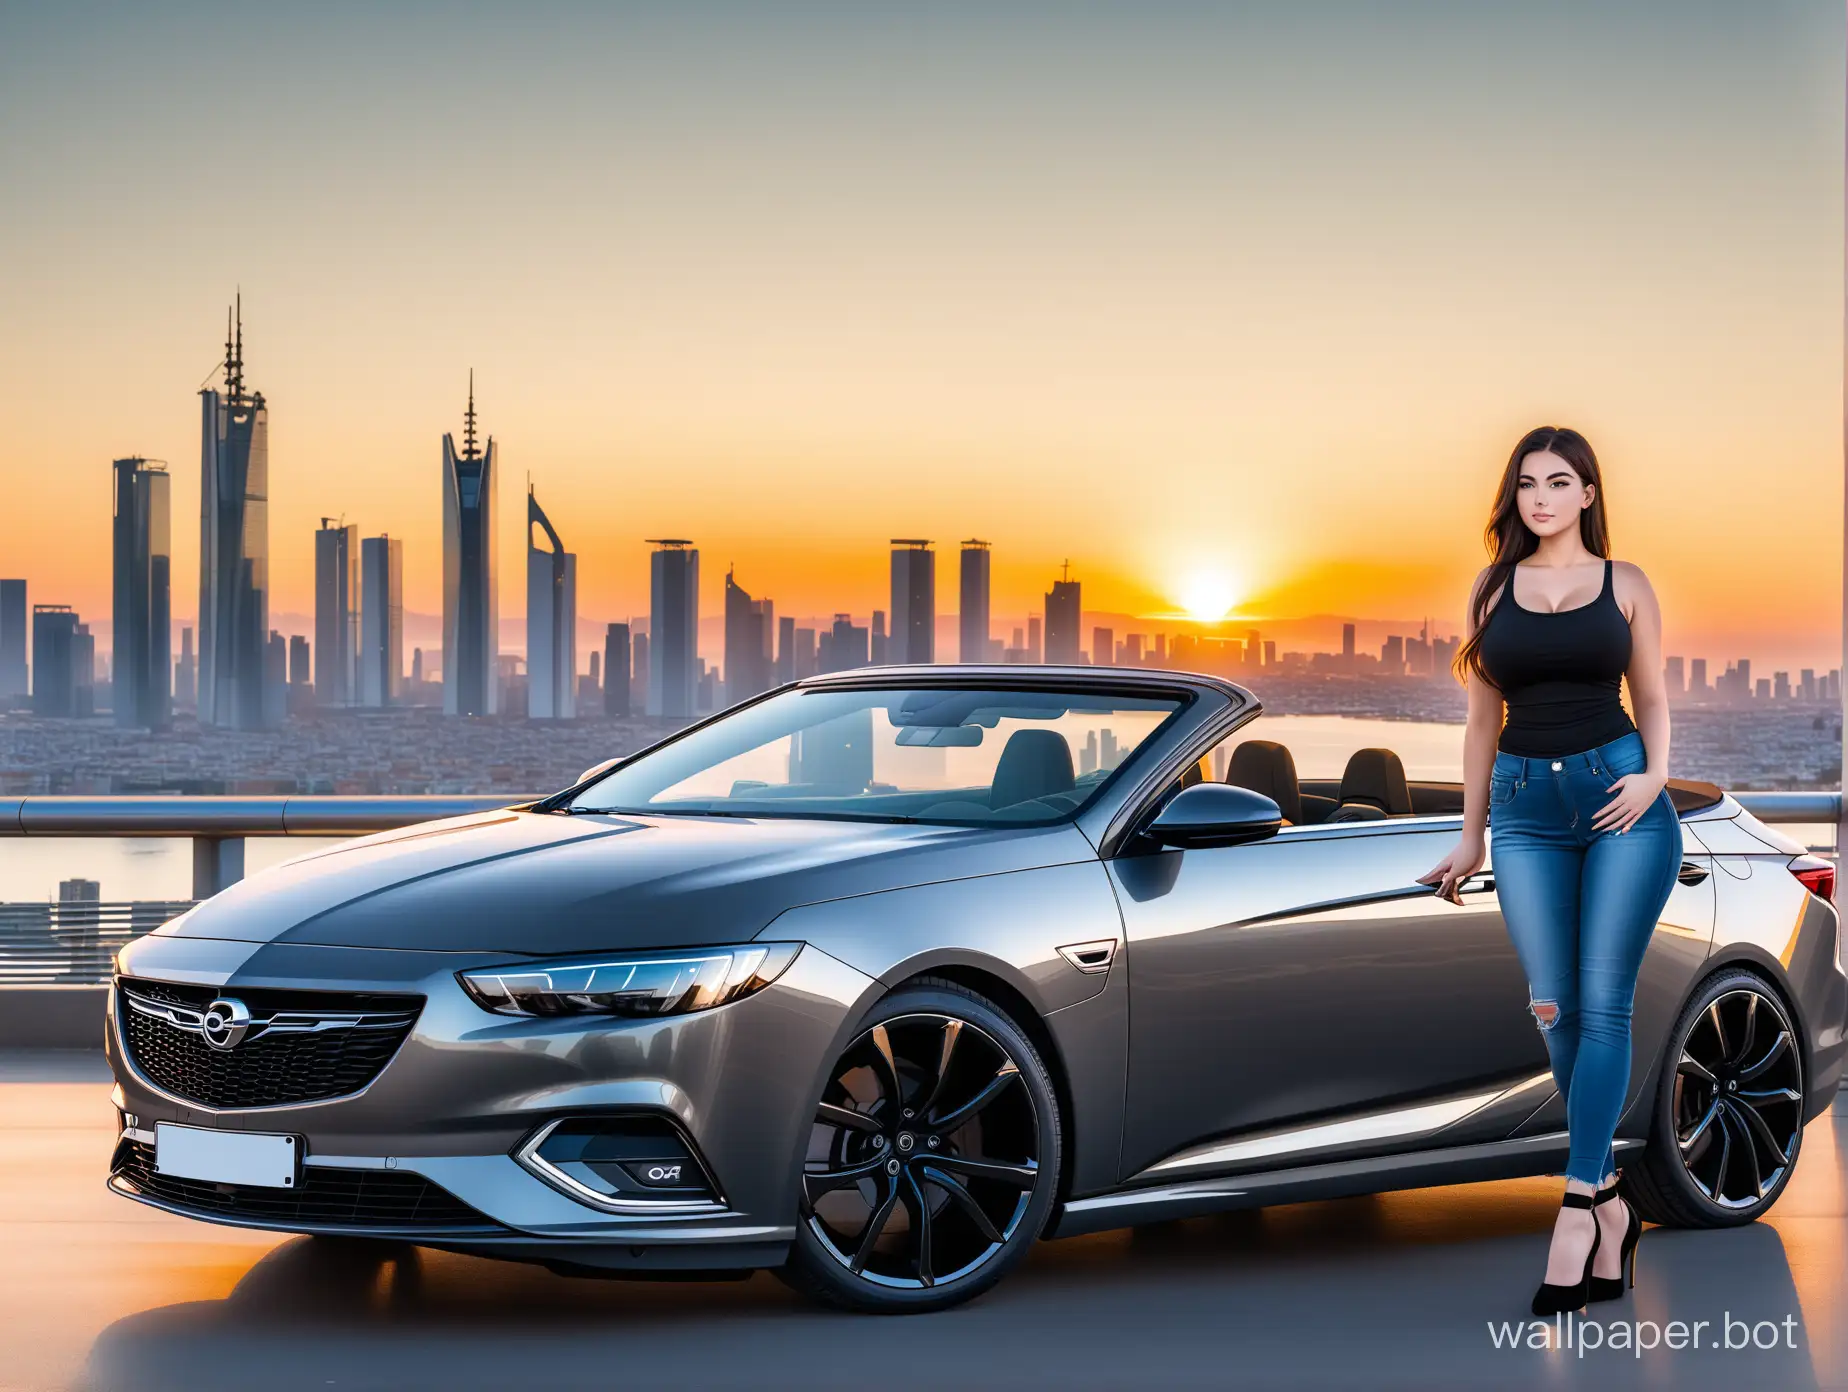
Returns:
<point x="1481" y="883"/>
<point x="1692" y="874"/>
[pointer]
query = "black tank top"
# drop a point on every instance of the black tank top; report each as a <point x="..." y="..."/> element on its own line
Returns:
<point x="1560" y="673"/>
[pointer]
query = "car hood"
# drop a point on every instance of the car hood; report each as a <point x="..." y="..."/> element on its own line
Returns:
<point x="540" y="883"/>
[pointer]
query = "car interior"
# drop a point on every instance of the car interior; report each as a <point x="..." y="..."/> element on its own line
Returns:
<point x="1371" y="788"/>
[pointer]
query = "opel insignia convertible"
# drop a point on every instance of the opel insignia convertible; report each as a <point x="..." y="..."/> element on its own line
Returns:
<point x="880" y="977"/>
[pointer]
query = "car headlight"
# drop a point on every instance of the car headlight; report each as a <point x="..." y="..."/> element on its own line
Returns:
<point x="647" y="984"/>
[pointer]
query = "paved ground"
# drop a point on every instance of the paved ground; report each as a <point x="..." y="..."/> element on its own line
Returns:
<point x="1396" y="1291"/>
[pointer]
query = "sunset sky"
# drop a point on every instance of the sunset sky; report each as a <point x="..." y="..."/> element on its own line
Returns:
<point x="1251" y="299"/>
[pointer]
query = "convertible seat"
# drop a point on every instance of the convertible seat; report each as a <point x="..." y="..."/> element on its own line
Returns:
<point x="1264" y="766"/>
<point x="1034" y="764"/>
<point x="1373" y="786"/>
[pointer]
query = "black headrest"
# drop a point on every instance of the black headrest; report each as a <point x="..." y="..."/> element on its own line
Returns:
<point x="1264" y="766"/>
<point x="1034" y="764"/>
<point x="1377" y="778"/>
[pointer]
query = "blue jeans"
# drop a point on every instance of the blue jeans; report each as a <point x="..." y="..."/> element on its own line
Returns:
<point x="1581" y="906"/>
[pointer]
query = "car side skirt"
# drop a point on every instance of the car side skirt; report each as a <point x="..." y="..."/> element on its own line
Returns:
<point x="1513" y="1159"/>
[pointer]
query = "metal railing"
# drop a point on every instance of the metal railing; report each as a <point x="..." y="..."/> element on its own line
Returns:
<point x="217" y="826"/>
<point x="58" y="943"/>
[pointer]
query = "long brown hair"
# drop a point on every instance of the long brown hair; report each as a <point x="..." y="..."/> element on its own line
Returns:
<point x="1508" y="539"/>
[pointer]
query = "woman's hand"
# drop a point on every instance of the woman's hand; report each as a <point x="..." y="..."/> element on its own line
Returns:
<point x="1450" y="872"/>
<point x="1636" y="794"/>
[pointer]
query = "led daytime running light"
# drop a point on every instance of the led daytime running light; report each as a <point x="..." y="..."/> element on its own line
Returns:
<point x="642" y="986"/>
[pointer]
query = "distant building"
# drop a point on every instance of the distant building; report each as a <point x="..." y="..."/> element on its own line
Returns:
<point x="234" y="579"/>
<point x="1674" y="677"/>
<point x="551" y="621"/>
<point x="750" y="631"/>
<point x="914" y="602"/>
<point x="381" y="620"/>
<point x="80" y="891"/>
<point x="879" y="640"/>
<point x="275" y="679"/>
<point x="301" y="672"/>
<point x="471" y="604"/>
<point x="1697" y="677"/>
<point x="15" y="683"/>
<point x="1347" y="647"/>
<point x="1392" y="656"/>
<point x="843" y="647"/>
<point x="786" y="650"/>
<point x="141" y="660"/>
<point x="973" y="618"/>
<point x="1034" y="650"/>
<point x="186" y="674"/>
<point x="807" y="656"/>
<point x="54" y="660"/>
<point x="639" y="668"/>
<point x="1062" y="621"/>
<point x="336" y="614"/>
<point x="673" y="629"/>
<point x="1103" y="647"/>
<point x="616" y="669"/>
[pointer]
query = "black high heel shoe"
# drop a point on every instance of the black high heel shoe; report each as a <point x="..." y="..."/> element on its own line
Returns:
<point x="1552" y="1299"/>
<point x="1612" y="1287"/>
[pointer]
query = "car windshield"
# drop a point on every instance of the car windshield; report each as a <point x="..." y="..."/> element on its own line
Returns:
<point x="964" y="756"/>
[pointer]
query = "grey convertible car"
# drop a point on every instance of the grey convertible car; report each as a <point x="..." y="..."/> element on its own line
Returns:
<point x="880" y="977"/>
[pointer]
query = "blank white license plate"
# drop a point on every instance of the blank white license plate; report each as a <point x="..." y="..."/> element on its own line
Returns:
<point x="226" y="1157"/>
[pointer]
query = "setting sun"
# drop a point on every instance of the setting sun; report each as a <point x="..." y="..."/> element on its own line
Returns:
<point x="1208" y="596"/>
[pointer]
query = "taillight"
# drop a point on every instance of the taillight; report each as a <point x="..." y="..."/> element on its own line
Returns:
<point x="1816" y="875"/>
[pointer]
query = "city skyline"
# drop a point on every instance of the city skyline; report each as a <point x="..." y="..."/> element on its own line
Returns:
<point x="1218" y="336"/>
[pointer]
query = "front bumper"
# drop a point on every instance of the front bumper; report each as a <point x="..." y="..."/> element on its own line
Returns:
<point x="467" y="1088"/>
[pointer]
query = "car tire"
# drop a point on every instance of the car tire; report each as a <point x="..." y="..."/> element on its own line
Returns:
<point x="939" y="1123"/>
<point x="1728" y="1121"/>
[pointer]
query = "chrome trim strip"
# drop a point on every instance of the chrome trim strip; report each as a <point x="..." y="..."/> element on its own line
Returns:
<point x="1190" y="1190"/>
<point x="530" y="1160"/>
<point x="1398" y="1124"/>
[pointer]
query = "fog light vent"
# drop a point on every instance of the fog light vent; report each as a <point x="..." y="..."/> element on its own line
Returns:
<point x="623" y="1163"/>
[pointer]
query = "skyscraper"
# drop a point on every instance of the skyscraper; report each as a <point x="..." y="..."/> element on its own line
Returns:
<point x="616" y="669"/>
<point x="750" y="632"/>
<point x="471" y="604"/>
<point x="336" y="614"/>
<point x="914" y="602"/>
<point x="786" y="650"/>
<point x="1062" y="606"/>
<point x="275" y="679"/>
<point x="972" y="620"/>
<point x="141" y="660"/>
<point x="842" y="647"/>
<point x="54" y="660"/>
<point x="381" y="620"/>
<point x="233" y="545"/>
<point x="673" y="628"/>
<point x="551" y="621"/>
<point x="1103" y="647"/>
<point x="186" y="675"/>
<point x="14" y="683"/>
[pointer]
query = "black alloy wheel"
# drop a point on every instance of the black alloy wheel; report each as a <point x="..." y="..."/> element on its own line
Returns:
<point x="932" y="1159"/>
<point x="1729" y="1119"/>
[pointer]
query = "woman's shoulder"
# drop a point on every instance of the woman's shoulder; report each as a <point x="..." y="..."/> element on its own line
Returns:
<point x="1630" y="587"/>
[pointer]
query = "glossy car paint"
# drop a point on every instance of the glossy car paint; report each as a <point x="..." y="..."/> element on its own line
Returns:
<point x="1285" y="1019"/>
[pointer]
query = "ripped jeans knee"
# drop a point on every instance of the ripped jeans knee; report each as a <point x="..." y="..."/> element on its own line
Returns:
<point x="1545" y="1012"/>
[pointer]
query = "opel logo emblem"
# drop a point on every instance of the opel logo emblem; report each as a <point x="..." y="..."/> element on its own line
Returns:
<point x="226" y="1023"/>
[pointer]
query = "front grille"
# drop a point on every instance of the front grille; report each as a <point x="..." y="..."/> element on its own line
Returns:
<point x="302" y="1046"/>
<point x="326" y="1196"/>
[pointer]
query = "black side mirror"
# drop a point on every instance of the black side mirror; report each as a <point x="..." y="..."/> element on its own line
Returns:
<point x="1215" y="814"/>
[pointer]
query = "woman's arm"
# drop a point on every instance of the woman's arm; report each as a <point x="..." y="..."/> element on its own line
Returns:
<point x="1480" y="733"/>
<point x="1636" y="792"/>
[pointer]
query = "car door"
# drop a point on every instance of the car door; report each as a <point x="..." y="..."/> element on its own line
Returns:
<point x="1305" y="991"/>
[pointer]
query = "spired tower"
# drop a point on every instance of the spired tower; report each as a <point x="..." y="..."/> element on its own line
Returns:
<point x="234" y="575"/>
<point x="471" y="607"/>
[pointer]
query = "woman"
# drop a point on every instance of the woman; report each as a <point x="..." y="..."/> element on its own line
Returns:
<point x="1587" y="844"/>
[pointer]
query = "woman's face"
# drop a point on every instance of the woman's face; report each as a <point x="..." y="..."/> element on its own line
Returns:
<point x="1550" y="494"/>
